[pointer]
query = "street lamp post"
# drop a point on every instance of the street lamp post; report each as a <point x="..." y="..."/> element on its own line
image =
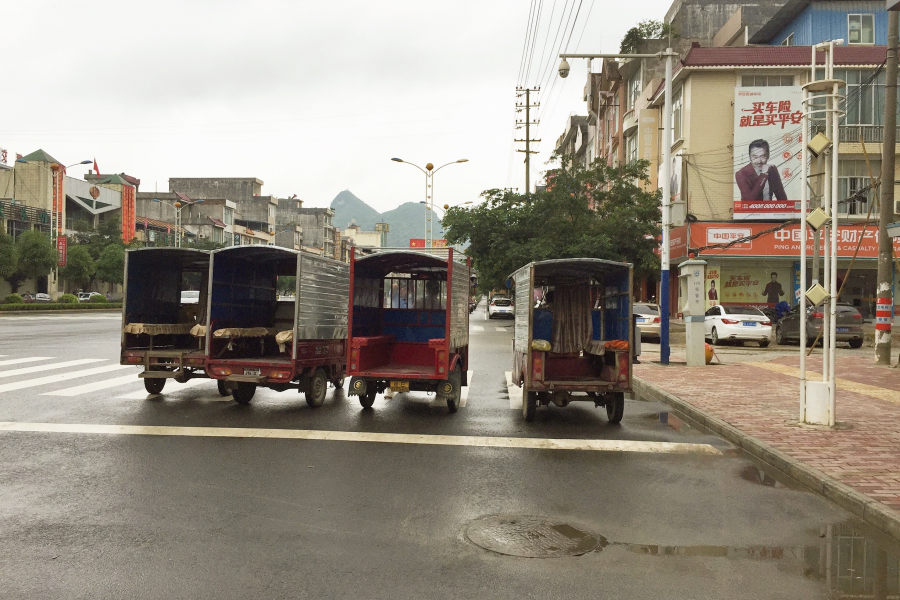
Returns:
<point x="178" y="206"/>
<point x="445" y="209"/>
<point x="669" y="56"/>
<point x="59" y="200"/>
<point x="429" y="172"/>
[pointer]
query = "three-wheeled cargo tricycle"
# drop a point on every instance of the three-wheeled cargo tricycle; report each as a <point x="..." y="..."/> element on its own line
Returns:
<point x="409" y="323"/>
<point x="573" y="333"/>
<point x="162" y="321"/>
<point x="257" y="339"/>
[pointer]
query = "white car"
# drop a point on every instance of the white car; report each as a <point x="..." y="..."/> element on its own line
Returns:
<point x="86" y="296"/>
<point x="647" y="318"/>
<point x="737" y="323"/>
<point x="501" y="307"/>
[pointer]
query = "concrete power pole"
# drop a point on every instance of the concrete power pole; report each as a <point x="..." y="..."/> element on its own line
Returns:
<point x="527" y="123"/>
<point x="884" y="295"/>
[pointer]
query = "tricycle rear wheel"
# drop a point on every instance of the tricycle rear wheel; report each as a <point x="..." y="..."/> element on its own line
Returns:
<point x="368" y="399"/>
<point x="243" y="392"/>
<point x="453" y="399"/>
<point x="615" y="407"/>
<point x="223" y="389"/>
<point x="529" y="406"/>
<point x="318" y="386"/>
<point x="154" y="386"/>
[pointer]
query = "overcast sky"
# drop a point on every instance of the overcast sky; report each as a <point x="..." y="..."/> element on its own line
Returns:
<point x="312" y="98"/>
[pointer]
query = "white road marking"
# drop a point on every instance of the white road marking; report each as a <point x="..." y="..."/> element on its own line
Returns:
<point x="93" y="387"/>
<point x="358" y="436"/>
<point x="501" y="328"/>
<point x="18" y="361"/>
<point x="18" y="385"/>
<point x="515" y="393"/>
<point x="62" y="365"/>
<point x="170" y="387"/>
<point x="477" y="327"/>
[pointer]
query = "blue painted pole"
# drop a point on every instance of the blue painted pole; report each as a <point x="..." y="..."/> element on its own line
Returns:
<point x="664" y="317"/>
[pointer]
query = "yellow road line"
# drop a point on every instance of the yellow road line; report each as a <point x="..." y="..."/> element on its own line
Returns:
<point x="872" y="391"/>
<point x="356" y="436"/>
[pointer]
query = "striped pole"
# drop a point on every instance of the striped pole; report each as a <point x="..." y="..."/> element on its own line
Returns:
<point x="883" y="314"/>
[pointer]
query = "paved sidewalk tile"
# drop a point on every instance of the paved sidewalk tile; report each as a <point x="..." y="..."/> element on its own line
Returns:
<point x="764" y="400"/>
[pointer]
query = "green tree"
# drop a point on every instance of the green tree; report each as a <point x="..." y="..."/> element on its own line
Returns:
<point x="36" y="257"/>
<point x="600" y="212"/>
<point x="111" y="264"/>
<point x="9" y="257"/>
<point x="80" y="266"/>
<point x="645" y="30"/>
<point x="204" y="244"/>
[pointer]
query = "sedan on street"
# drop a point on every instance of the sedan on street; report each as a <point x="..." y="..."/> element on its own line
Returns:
<point x="737" y="323"/>
<point x="849" y="325"/>
<point x="648" y="319"/>
<point x="501" y="307"/>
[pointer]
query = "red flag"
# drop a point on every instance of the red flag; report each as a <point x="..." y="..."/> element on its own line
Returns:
<point x="145" y="222"/>
<point x="96" y="168"/>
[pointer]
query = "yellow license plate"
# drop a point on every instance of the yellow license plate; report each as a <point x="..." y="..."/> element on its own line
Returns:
<point x="399" y="386"/>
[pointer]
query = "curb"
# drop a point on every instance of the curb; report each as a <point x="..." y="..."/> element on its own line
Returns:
<point x="871" y="511"/>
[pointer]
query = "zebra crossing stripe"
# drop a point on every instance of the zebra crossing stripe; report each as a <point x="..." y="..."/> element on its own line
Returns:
<point x="477" y="327"/>
<point x="18" y="361"/>
<point x="94" y="386"/>
<point x="49" y="379"/>
<point x="38" y="369"/>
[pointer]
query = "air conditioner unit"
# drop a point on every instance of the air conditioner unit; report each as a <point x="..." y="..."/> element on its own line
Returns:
<point x="896" y="207"/>
<point x="202" y="236"/>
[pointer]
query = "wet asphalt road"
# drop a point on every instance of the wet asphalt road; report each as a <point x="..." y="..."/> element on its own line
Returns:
<point x="86" y="515"/>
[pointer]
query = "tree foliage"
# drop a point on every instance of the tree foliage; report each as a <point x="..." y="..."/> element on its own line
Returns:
<point x="111" y="264"/>
<point x="645" y="30"/>
<point x="80" y="266"/>
<point x="9" y="257"/>
<point x="36" y="257"/>
<point x="599" y="212"/>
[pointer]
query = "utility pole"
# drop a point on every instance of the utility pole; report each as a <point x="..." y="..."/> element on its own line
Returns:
<point x="527" y="123"/>
<point x="884" y="294"/>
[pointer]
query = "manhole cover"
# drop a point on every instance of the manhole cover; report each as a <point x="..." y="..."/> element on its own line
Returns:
<point x="531" y="537"/>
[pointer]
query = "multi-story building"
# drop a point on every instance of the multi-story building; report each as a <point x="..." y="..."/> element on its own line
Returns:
<point x="368" y="239"/>
<point x="730" y="100"/>
<point x="809" y="22"/>
<point x="318" y="230"/>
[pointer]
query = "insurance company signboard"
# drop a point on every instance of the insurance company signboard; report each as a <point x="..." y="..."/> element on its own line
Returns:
<point x="767" y="152"/>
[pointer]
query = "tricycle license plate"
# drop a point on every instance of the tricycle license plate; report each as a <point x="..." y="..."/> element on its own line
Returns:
<point x="248" y="371"/>
<point x="399" y="386"/>
<point x="749" y="323"/>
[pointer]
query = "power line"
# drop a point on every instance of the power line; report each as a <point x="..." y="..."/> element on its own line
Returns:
<point x="525" y="44"/>
<point x="537" y="26"/>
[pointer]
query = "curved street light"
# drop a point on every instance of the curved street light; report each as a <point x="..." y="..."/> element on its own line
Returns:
<point x="429" y="172"/>
<point x="178" y="206"/>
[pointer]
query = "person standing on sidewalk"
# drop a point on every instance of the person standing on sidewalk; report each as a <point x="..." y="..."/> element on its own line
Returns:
<point x="773" y="290"/>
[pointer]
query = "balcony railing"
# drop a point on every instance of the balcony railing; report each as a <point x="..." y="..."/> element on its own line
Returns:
<point x="871" y="134"/>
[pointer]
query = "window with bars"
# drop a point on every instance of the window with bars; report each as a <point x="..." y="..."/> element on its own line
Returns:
<point x="634" y="90"/>
<point x="677" y="110"/>
<point x="415" y="294"/>
<point x="789" y="40"/>
<point x="861" y="29"/>
<point x="631" y="148"/>
<point x="853" y="176"/>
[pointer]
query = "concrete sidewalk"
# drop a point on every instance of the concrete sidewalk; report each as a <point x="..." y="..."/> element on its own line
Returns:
<point x="755" y="404"/>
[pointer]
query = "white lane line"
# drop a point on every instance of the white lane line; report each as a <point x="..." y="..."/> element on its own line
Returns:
<point x="95" y="386"/>
<point x="358" y="436"/>
<point x="477" y="327"/>
<point x="18" y="385"/>
<point x="18" y="361"/>
<point x="463" y="395"/>
<point x="67" y="318"/>
<point x="62" y="365"/>
<point x="515" y="393"/>
<point x="501" y="328"/>
<point x="170" y="387"/>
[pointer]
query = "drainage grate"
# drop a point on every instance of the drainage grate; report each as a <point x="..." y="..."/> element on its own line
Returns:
<point x="531" y="537"/>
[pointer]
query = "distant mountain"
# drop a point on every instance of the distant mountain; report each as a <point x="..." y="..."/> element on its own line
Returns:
<point x="406" y="221"/>
<point x="349" y="209"/>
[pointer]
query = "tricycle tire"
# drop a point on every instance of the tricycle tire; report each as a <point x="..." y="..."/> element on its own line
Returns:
<point x="338" y="382"/>
<point x="318" y="385"/>
<point x="223" y="389"/>
<point x="154" y="386"/>
<point x="529" y="406"/>
<point x="243" y="392"/>
<point x="368" y="399"/>
<point x="615" y="407"/>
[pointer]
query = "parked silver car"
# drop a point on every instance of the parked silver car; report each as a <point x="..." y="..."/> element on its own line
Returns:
<point x="647" y="318"/>
<point x="849" y="325"/>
